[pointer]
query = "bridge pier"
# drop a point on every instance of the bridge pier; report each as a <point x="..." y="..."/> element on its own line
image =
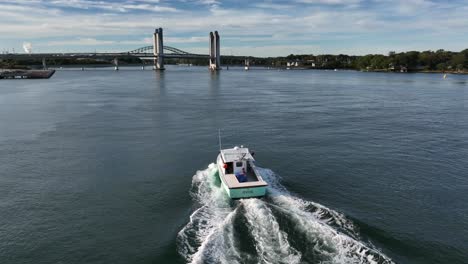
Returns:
<point x="215" y="52"/>
<point x="158" y="49"/>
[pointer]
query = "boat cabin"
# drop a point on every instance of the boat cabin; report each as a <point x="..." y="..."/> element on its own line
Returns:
<point x="239" y="162"/>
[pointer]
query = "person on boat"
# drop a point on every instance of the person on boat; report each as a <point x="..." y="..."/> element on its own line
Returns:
<point x="241" y="177"/>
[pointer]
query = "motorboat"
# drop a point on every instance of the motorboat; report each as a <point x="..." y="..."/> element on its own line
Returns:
<point x="238" y="174"/>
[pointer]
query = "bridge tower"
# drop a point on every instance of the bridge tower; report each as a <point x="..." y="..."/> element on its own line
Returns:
<point x="215" y="51"/>
<point x="158" y="49"/>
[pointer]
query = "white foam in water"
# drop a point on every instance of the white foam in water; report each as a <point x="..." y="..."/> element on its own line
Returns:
<point x="209" y="235"/>
<point x="218" y="246"/>
<point x="338" y="247"/>
<point x="320" y="212"/>
<point x="271" y="243"/>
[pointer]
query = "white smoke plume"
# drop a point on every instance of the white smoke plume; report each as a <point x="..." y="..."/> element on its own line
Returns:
<point x="27" y="47"/>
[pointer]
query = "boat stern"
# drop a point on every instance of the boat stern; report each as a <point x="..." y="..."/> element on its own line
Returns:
<point x="249" y="192"/>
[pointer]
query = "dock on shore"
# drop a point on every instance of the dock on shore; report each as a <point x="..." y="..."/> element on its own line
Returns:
<point x="26" y="74"/>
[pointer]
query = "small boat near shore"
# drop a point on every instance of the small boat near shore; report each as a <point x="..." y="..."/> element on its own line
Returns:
<point x="238" y="173"/>
<point x="26" y="74"/>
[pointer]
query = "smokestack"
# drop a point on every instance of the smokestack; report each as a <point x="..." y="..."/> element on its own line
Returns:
<point x="27" y="47"/>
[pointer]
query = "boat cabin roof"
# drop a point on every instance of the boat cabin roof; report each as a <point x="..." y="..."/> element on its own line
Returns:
<point x="235" y="154"/>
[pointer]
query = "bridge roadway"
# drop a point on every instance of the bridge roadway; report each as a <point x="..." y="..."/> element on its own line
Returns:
<point x="143" y="52"/>
<point x="109" y="55"/>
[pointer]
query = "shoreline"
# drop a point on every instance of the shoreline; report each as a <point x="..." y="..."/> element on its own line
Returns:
<point x="420" y="71"/>
<point x="135" y="65"/>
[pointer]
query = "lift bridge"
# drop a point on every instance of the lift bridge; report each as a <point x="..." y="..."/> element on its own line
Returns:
<point x="169" y="52"/>
<point x="156" y="53"/>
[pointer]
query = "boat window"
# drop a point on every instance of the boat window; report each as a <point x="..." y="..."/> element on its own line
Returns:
<point x="239" y="164"/>
<point x="229" y="169"/>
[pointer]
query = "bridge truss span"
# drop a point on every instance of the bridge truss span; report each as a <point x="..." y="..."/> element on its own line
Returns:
<point x="149" y="49"/>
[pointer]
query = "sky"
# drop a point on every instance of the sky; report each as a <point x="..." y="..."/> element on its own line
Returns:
<point x="246" y="27"/>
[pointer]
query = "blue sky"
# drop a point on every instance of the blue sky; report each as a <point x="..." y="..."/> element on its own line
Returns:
<point x="259" y="28"/>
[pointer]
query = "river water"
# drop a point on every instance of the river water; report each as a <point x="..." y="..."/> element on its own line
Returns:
<point x="103" y="166"/>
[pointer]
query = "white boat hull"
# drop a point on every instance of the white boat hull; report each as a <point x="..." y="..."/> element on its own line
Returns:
<point x="237" y="190"/>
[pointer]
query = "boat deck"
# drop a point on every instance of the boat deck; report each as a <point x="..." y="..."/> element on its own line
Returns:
<point x="252" y="181"/>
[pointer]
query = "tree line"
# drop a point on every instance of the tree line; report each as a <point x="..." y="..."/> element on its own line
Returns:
<point x="439" y="60"/>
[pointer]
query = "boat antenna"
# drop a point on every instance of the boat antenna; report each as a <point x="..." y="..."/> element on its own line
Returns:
<point x="219" y="138"/>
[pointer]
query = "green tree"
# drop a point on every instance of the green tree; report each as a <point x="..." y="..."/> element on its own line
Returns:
<point x="457" y="61"/>
<point x="441" y="66"/>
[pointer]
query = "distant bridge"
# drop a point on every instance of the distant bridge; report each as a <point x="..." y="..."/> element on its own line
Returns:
<point x="156" y="52"/>
<point x="143" y="52"/>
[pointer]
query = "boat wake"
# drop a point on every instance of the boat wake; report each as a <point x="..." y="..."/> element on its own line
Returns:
<point x="279" y="228"/>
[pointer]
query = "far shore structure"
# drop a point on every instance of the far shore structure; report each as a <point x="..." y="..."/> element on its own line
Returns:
<point x="158" y="54"/>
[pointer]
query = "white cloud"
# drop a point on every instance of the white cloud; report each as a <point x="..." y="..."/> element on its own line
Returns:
<point x="259" y="26"/>
<point x="144" y="5"/>
<point x="80" y="42"/>
<point x="186" y="40"/>
<point x="147" y="1"/>
<point x="273" y="6"/>
<point x="330" y="2"/>
<point x="148" y="7"/>
<point x="209" y="2"/>
<point x="409" y="7"/>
